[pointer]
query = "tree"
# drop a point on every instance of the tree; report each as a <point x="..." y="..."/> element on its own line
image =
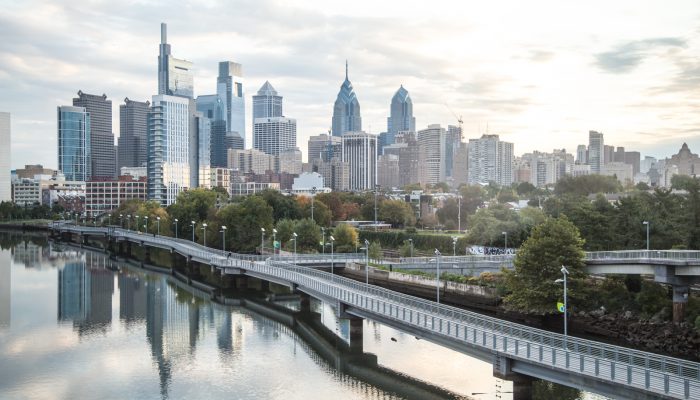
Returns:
<point x="309" y="235"/>
<point x="285" y="230"/>
<point x="506" y="195"/>
<point x="153" y="211"/>
<point x="322" y="214"/>
<point x="192" y="205"/>
<point x="282" y="206"/>
<point x="531" y="285"/>
<point x="244" y="221"/>
<point x="397" y="213"/>
<point x="375" y="251"/>
<point x="486" y="227"/>
<point x="692" y="186"/>
<point x="587" y="184"/>
<point x="472" y="198"/>
<point x="345" y="238"/>
<point x="525" y="189"/>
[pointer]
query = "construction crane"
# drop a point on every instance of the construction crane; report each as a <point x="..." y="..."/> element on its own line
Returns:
<point x="459" y="120"/>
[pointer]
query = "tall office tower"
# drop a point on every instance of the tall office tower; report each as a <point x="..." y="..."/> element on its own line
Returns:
<point x="460" y="165"/>
<point x="219" y="146"/>
<point x="104" y="161"/>
<point x="346" y="111"/>
<point x="267" y="103"/>
<point x="401" y="117"/>
<point x="133" y="133"/>
<point x="619" y="155"/>
<point x="453" y="141"/>
<point x="168" y="148"/>
<point x="433" y="143"/>
<point x="608" y="154"/>
<point x="324" y="147"/>
<point x="595" y="151"/>
<point x="250" y="161"/>
<point x="633" y="158"/>
<point x="581" y="154"/>
<point x="74" y="150"/>
<point x="5" y="184"/>
<point x="388" y="171"/>
<point x="203" y="160"/>
<point x="175" y="77"/>
<point x="229" y="88"/>
<point x="490" y="160"/>
<point x="360" y="152"/>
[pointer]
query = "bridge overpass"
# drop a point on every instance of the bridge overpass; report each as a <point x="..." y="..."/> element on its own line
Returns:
<point x="515" y="350"/>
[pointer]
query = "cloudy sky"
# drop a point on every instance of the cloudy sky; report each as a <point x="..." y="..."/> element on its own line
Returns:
<point x="540" y="74"/>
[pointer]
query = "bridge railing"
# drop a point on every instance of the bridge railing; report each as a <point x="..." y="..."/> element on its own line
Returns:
<point x="676" y="255"/>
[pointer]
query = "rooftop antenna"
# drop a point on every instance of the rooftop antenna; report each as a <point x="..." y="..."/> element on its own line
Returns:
<point x="346" y="68"/>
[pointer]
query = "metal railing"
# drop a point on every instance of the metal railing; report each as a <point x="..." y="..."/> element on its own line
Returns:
<point x="655" y="255"/>
<point x="632" y="368"/>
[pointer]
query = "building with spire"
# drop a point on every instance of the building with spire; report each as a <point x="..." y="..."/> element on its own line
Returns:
<point x="401" y="118"/>
<point x="346" y="111"/>
<point x="175" y="77"/>
<point x="272" y="132"/>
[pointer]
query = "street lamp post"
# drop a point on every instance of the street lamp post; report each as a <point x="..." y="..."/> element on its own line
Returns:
<point x="145" y="224"/>
<point x="121" y="221"/>
<point x="274" y="241"/>
<point x="459" y="213"/>
<point x="262" y="241"/>
<point x="647" y="225"/>
<point x="410" y="241"/>
<point x="204" y="229"/>
<point x="137" y="223"/>
<point x="367" y="258"/>
<point x="376" y="189"/>
<point x="332" y="239"/>
<point x="128" y="222"/>
<point x="564" y="272"/>
<point x="437" y="258"/>
<point x="223" y="241"/>
<point x="505" y="245"/>
<point x="294" y="238"/>
<point x="193" y="224"/>
<point x="323" y="240"/>
<point x="313" y="194"/>
<point x="110" y="219"/>
<point x="175" y="222"/>
<point x="158" y="224"/>
<point x="454" y="246"/>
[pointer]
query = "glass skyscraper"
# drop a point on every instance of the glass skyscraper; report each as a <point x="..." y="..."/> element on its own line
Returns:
<point x="401" y="118"/>
<point x="168" y="148"/>
<point x="229" y="88"/>
<point x="5" y="188"/>
<point x="346" y="111"/>
<point x="133" y="131"/>
<point x="272" y="133"/>
<point x="175" y="76"/>
<point x="104" y="160"/>
<point x="74" y="153"/>
<point x="267" y="103"/>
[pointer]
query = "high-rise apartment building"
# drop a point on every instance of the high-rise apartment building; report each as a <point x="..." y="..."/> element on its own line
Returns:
<point x="401" y="117"/>
<point x="453" y="141"/>
<point x="490" y="160"/>
<point x="250" y="161"/>
<point x="229" y="89"/>
<point x="388" y="171"/>
<point x="5" y="180"/>
<point x="133" y="133"/>
<point x="596" y="148"/>
<point x="581" y="154"/>
<point x="290" y="161"/>
<point x="74" y="150"/>
<point x="168" y="148"/>
<point x="432" y="140"/>
<point x="175" y="77"/>
<point x="346" y="110"/>
<point x="104" y="161"/>
<point x="203" y="161"/>
<point x="608" y="154"/>
<point x="360" y="152"/>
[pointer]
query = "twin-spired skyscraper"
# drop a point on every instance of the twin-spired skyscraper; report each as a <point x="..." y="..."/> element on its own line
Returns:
<point x="346" y="111"/>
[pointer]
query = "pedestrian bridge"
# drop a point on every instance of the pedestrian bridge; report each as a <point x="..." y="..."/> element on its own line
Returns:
<point x="514" y="350"/>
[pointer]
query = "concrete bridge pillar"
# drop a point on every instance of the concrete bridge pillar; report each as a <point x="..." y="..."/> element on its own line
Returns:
<point x="522" y="384"/>
<point x="242" y="282"/>
<point x="304" y="303"/>
<point x="127" y="249"/>
<point x="147" y="254"/>
<point x="356" y="335"/>
<point x="264" y="286"/>
<point x="173" y="259"/>
<point x="680" y="301"/>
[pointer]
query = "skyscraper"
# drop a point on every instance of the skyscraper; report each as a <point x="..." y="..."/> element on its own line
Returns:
<point x="360" y="152"/>
<point x="133" y="133"/>
<point x="272" y="133"/>
<point x="229" y="88"/>
<point x="346" y="111"/>
<point x="74" y="150"/>
<point x="175" y="76"/>
<point x="324" y="147"/>
<point x="401" y="117"/>
<point x="490" y="160"/>
<point x="432" y="141"/>
<point x="596" y="148"/>
<point x="267" y="103"/>
<point x="168" y="148"/>
<point x="5" y="188"/>
<point x="104" y="161"/>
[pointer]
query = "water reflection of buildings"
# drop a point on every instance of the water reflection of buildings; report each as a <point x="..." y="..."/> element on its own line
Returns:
<point x="30" y="254"/>
<point x="85" y="291"/>
<point x="5" y="288"/>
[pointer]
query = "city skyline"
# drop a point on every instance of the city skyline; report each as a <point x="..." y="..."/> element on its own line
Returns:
<point x="632" y="78"/>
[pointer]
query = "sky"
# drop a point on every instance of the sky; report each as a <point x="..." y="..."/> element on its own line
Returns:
<point x="540" y="74"/>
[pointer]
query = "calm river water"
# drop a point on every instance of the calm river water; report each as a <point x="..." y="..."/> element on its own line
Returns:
<point x="75" y="325"/>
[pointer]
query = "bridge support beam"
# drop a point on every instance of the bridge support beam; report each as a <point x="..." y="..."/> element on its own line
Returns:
<point x="680" y="301"/>
<point x="522" y="384"/>
<point x="304" y="303"/>
<point x="147" y="254"/>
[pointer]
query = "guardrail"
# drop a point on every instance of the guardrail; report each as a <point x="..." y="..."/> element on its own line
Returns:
<point x="675" y="255"/>
<point x="632" y="368"/>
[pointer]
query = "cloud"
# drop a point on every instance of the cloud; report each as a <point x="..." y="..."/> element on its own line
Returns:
<point x="624" y="58"/>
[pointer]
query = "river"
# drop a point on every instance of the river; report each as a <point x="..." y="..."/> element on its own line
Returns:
<point x="76" y="325"/>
